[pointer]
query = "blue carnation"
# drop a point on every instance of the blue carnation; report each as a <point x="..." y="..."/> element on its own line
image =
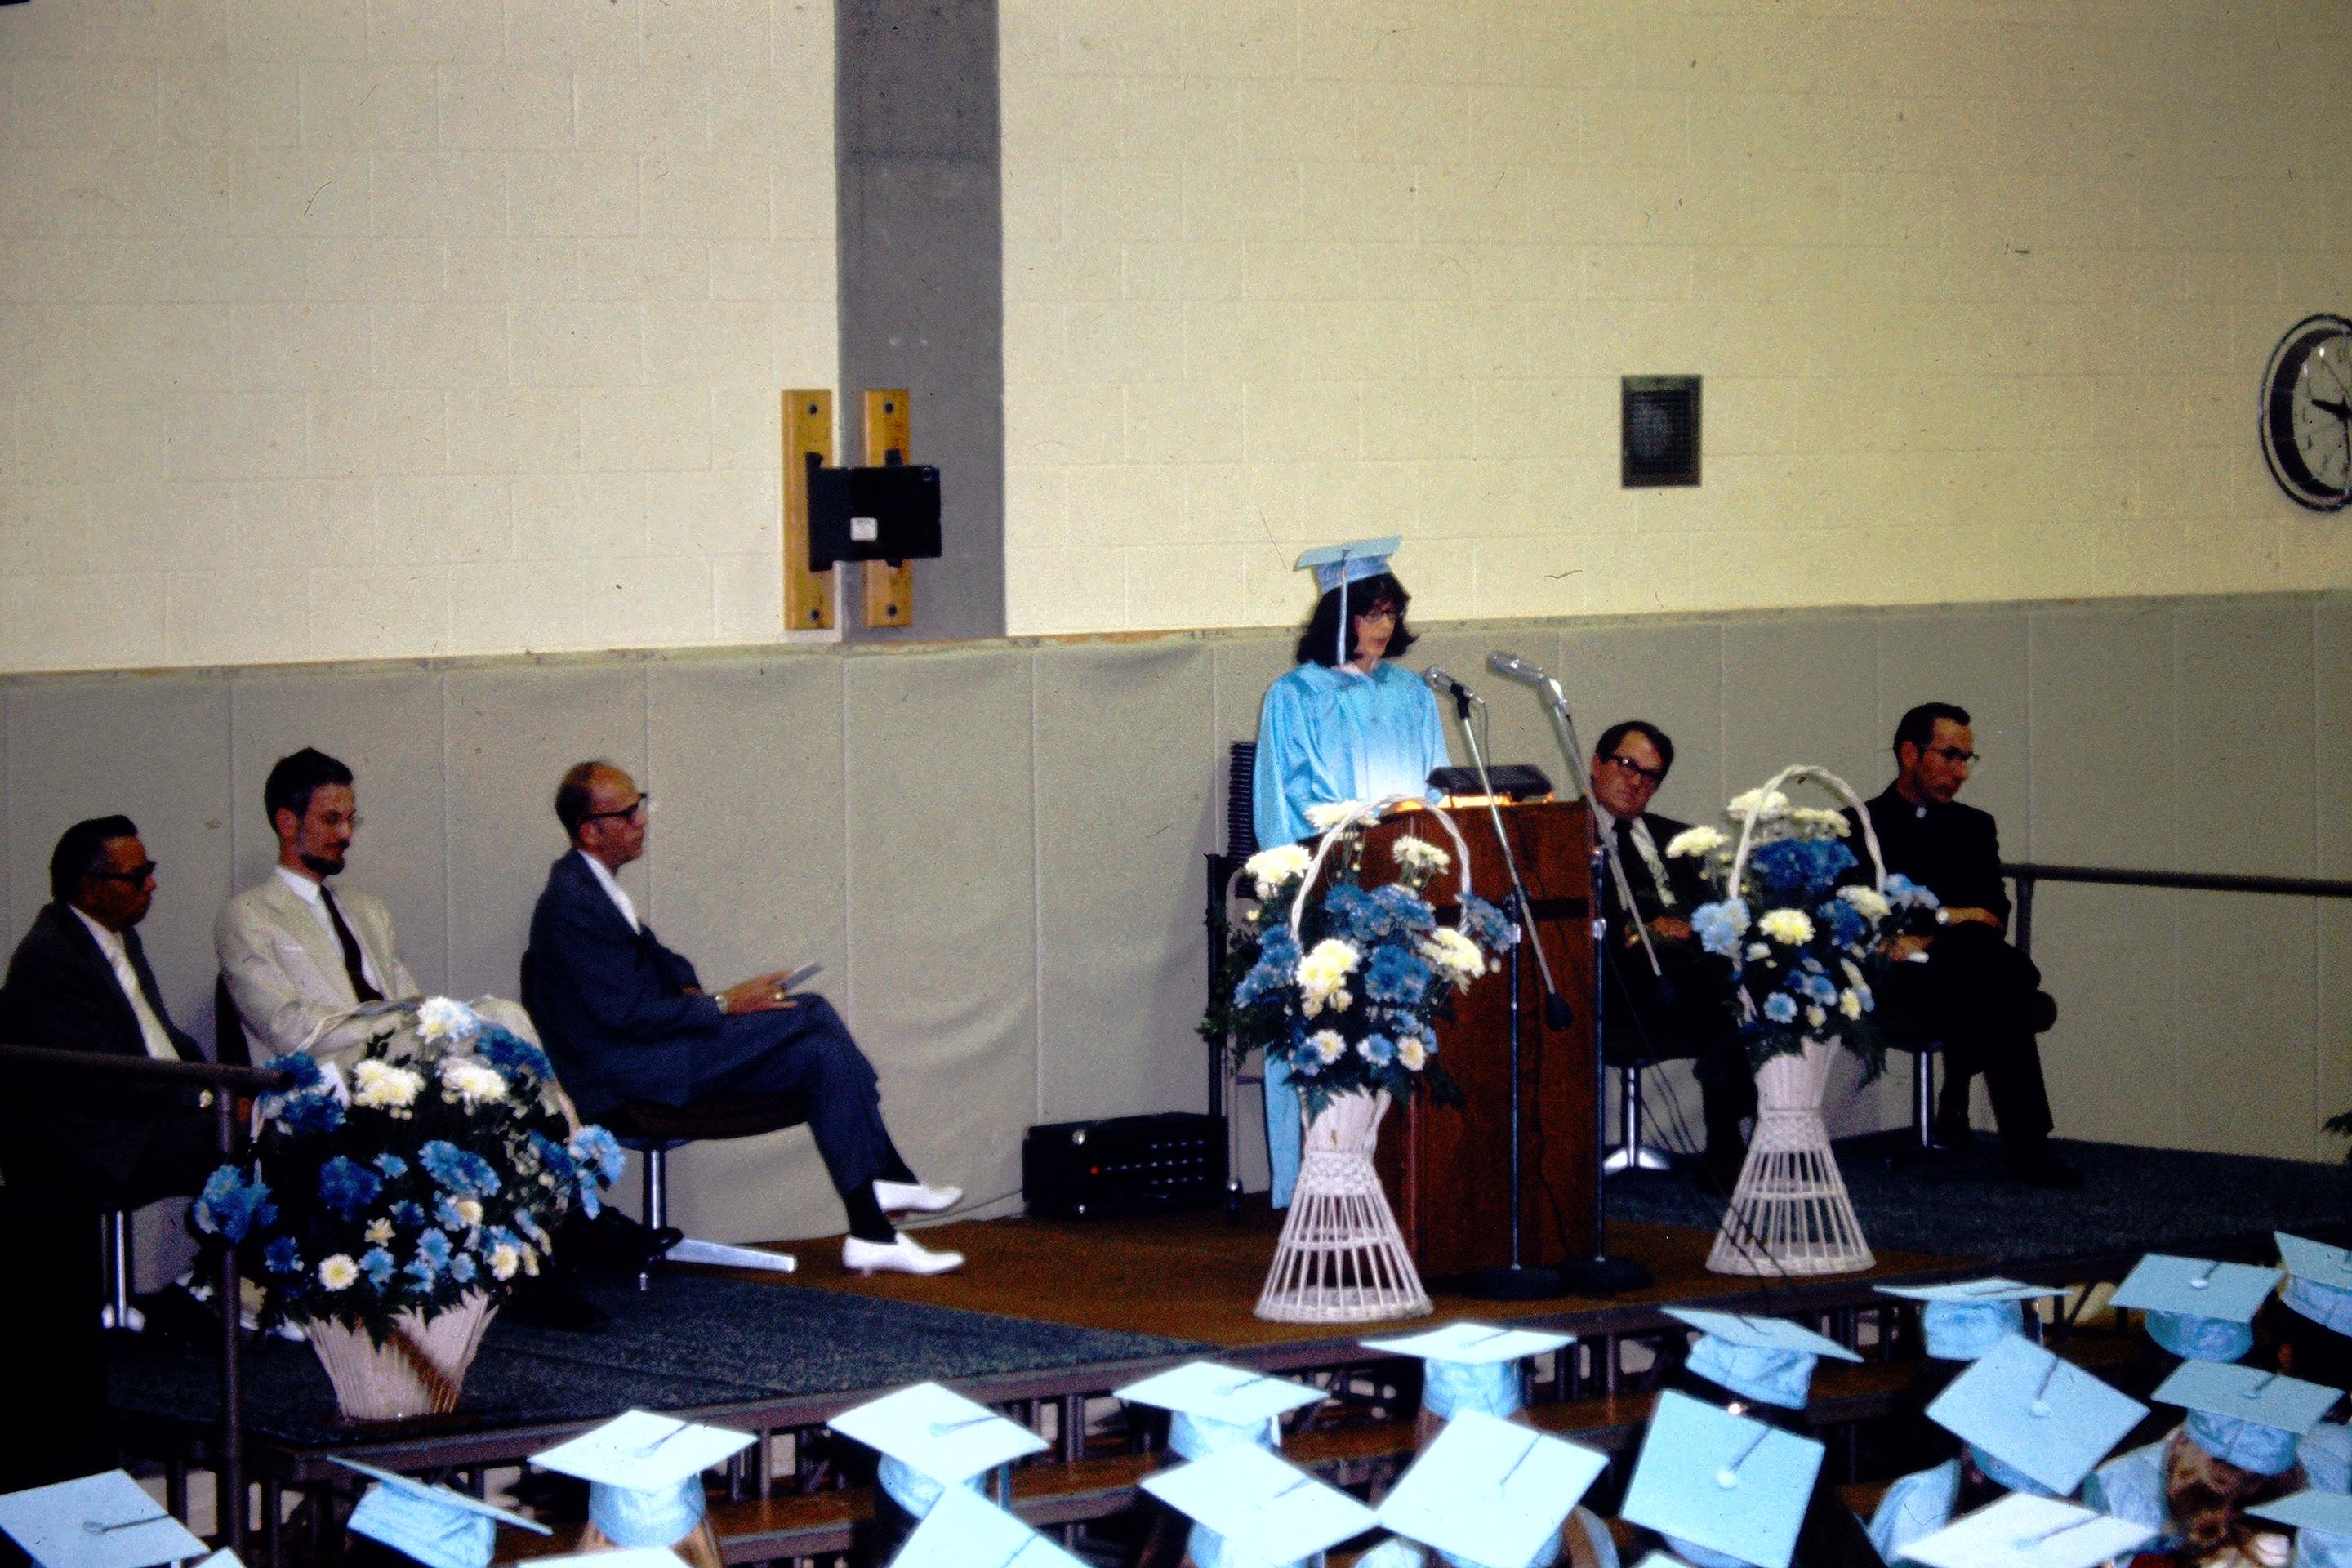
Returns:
<point x="461" y="1269"/>
<point x="557" y="1159"/>
<point x="1904" y="893"/>
<point x="1396" y="976"/>
<point x="1377" y="1049"/>
<point x="305" y="1072"/>
<point x="511" y="1052"/>
<point x="1276" y="946"/>
<point x="1405" y="910"/>
<point x="1800" y="866"/>
<point x="391" y="1165"/>
<point x="1845" y="923"/>
<point x="1721" y="925"/>
<point x="445" y="1213"/>
<point x="416" y="1269"/>
<point x="594" y="1147"/>
<point x="408" y="1215"/>
<point x="1485" y="924"/>
<point x="232" y="1203"/>
<point x="376" y="1264"/>
<point x="459" y="1169"/>
<point x="1781" y="1008"/>
<point x="282" y="1256"/>
<point x="1355" y="912"/>
<point x="1817" y="988"/>
<point x="433" y="1249"/>
<point x="347" y="1187"/>
<point x="309" y="1115"/>
<point x="1265" y="978"/>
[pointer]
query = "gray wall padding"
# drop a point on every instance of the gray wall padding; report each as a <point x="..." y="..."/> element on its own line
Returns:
<point x="995" y="848"/>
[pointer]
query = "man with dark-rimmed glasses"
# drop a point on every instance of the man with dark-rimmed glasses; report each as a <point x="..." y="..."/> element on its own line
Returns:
<point x="1959" y="979"/>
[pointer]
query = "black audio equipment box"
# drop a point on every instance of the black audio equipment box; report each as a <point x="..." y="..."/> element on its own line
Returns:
<point x="1125" y="1166"/>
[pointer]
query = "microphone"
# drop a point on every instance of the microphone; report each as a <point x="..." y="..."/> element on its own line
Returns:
<point x="1511" y="667"/>
<point x="1441" y="681"/>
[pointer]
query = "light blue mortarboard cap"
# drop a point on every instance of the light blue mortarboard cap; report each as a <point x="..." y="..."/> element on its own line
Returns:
<point x="1721" y="1486"/>
<point x="931" y="1438"/>
<point x="965" y="1531"/>
<point x="1765" y="1359"/>
<point x="645" y="1474"/>
<point x="433" y="1525"/>
<point x="1961" y="1321"/>
<point x="1491" y="1493"/>
<point x="2326" y="1455"/>
<point x="1471" y="1366"/>
<point x="2322" y="1521"/>
<point x="2033" y="1421"/>
<point x="2243" y="1415"/>
<point x="1214" y="1407"/>
<point x="105" y="1520"/>
<point x="2318" y="1281"/>
<point x="2025" y="1532"/>
<point x="1337" y="566"/>
<point x="1249" y="1509"/>
<point x="2196" y="1307"/>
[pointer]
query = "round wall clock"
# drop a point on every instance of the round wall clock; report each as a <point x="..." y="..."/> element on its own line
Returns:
<point x="2306" y="417"/>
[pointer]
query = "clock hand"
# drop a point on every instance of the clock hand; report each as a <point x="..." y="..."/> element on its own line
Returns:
<point x="2341" y="410"/>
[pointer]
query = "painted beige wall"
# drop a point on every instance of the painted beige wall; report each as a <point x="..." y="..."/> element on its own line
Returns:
<point x="1981" y="293"/>
<point x="996" y="850"/>
<point x="333" y="330"/>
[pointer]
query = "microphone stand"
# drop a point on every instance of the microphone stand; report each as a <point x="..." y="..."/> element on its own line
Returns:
<point x="1513" y="1281"/>
<point x="1599" y="1275"/>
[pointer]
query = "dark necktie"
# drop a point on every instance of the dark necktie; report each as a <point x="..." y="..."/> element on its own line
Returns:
<point x="353" y="966"/>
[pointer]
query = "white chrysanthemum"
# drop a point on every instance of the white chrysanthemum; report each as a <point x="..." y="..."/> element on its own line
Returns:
<point x="1792" y="928"/>
<point x="1412" y="1055"/>
<point x="470" y="1210"/>
<point x="1270" y="868"/>
<point x="1322" y="819"/>
<point x="1699" y="840"/>
<point x="382" y="1084"/>
<point x="442" y="1018"/>
<point x="1456" y="953"/>
<point x="1869" y="903"/>
<point x="1327" y="1044"/>
<point x="1325" y="968"/>
<point x="1419" y="855"/>
<point x="1766" y="805"/>
<point x="1758" y="950"/>
<point x="470" y="1081"/>
<point x="1815" y="1017"/>
<point x="1850" y="1002"/>
<point x="505" y="1258"/>
<point x="1821" y="819"/>
<point x="337" y="1272"/>
<point x="379" y="1232"/>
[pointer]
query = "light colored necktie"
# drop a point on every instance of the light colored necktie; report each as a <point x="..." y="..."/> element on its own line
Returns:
<point x="150" y="1028"/>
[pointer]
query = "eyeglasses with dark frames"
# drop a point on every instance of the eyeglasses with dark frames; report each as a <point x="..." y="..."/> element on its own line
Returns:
<point x="1954" y="755"/>
<point x="1653" y="777"/>
<point x="134" y="876"/>
<point x="635" y="809"/>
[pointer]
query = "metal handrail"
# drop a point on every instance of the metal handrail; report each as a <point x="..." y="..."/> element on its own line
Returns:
<point x="40" y="1061"/>
<point x="2029" y="874"/>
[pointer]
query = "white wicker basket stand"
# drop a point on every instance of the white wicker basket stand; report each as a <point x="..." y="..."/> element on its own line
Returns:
<point x="1342" y="1259"/>
<point x="1789" y="1213"/>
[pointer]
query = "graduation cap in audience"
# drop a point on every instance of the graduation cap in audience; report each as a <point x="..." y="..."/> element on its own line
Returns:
<point x="2196" y="1307"/>
<point x="621" y="1557"/>
<point x="1764" y="1359"/>
<point x="1489" y="1491"/>
<point x="2244" y="1416"/>
<point x="1215" y="1407"/>
<point x="433" y="1525"/>
<point x="1270" y="1511"/>
<point x="105" y="1520"/>
<point x="1722" y="1488"/>
<point x="645" y="1474"/>
<point x="933" y="1439"/>
<point x="1961" y="1321"/>
<point x="1337" y="566"/>
<point x="1471" y="1366"/>
<point x="965" y="1531"/>
<point x="2025" y="1532"/>
<point x="2322" y="1521"/>
<point x="2033" y="1421"/>
<point x="2318" y="1280"/>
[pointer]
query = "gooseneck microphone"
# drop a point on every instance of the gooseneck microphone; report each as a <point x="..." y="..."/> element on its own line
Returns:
<point x="1511" y="667"/>
<point x="1441" y="681"/>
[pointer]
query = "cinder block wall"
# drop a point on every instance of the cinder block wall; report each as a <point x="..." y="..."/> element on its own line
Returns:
<point x="333" y="330"/>
<point x="1981" y="293"/>
<point x="995" y="850"/>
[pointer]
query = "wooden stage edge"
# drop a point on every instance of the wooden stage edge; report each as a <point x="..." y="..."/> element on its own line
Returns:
<point x="1193" y="1276"/>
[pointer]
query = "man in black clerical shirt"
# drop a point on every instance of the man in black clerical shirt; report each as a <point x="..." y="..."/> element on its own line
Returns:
<point x="1961" y="981"/>
<point x="1665" y="997"/>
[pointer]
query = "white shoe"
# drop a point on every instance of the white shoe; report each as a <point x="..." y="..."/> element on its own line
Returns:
<point x="903" y="1255"/>
<point x="915" y="1197"/>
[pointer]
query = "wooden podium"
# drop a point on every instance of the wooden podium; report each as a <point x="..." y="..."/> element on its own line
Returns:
<point x="1447" y="1168"/>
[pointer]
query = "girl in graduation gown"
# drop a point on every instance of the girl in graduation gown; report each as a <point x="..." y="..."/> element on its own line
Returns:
<point x="1339" y="728"/>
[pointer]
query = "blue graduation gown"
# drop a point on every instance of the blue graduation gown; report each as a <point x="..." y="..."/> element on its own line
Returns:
<point x="1915" y="1506"/>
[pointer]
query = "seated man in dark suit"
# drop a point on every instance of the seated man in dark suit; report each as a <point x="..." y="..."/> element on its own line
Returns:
<point x="1960" y="981"/>
<point x="1664" y="997"/>
<point x="626" y="1018"/>
<point x="76" y="1146"/>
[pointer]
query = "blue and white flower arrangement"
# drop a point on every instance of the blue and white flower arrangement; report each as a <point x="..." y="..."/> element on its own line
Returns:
<point x="1348" y="996"/>
<point x="434" y="1174"/>
<point x="1802" y="932"/>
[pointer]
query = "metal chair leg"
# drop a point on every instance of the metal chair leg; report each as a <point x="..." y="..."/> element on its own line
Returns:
<point x="1629" y="1152"/>
<point x="1923" y="1099"/>
<point x="692" y="1250"/>
<point x="114" y="1235"/>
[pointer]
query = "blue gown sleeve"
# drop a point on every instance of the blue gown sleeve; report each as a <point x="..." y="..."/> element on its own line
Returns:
<point x="1915" y="1506"/>
<point x="1431" y="735"/>
<point x="1289" y="776"/>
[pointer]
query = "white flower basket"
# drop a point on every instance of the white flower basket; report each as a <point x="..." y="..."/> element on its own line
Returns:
<point x="1789" y="1213"/>
<point x="419" y="1371"/>
<point x="1342" y="1259"/>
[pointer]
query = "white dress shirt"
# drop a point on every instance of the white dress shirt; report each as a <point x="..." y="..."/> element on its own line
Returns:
<point x="313" y="894"/>
<point x="613" y="888"/>
<point x="118" y="958"/>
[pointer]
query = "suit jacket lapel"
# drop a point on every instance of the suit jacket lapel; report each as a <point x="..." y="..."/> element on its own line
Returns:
<point x="296" y="920"/>
<point x="99" y="973"/>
